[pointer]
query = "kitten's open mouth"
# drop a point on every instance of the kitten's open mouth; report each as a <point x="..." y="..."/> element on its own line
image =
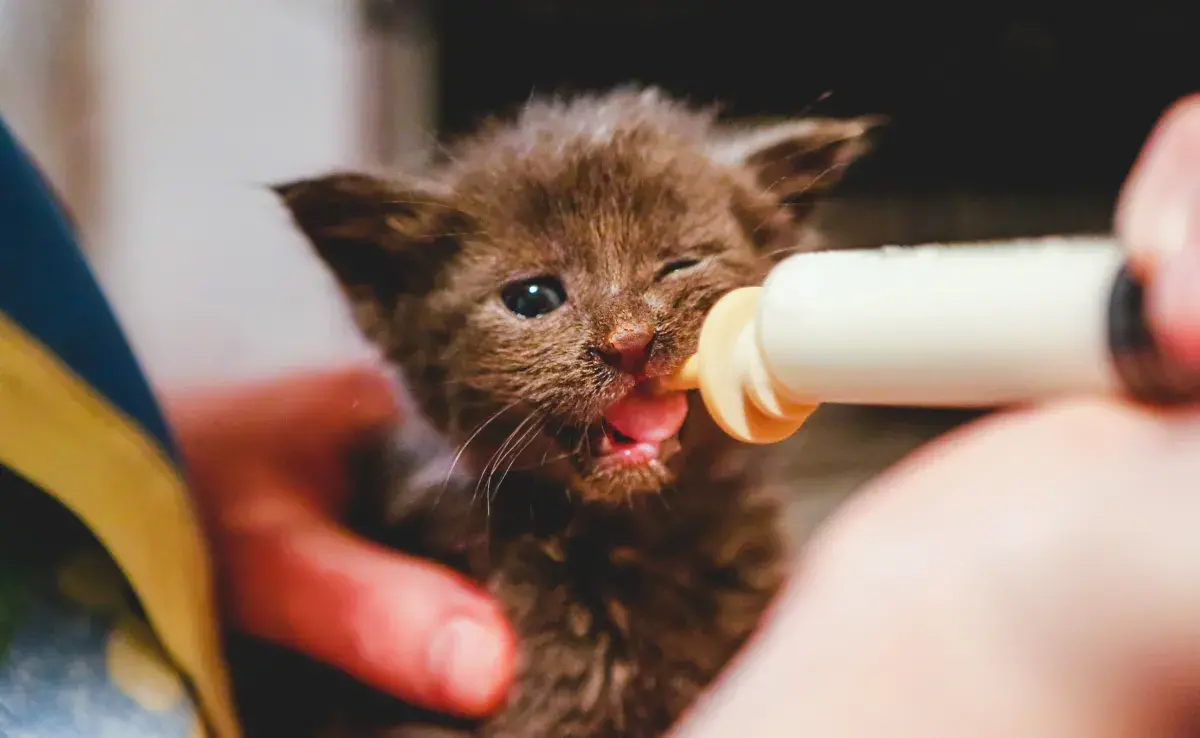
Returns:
<point x="639" y="429"/>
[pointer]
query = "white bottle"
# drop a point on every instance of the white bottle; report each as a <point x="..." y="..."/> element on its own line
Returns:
<point x="949" y="326"/>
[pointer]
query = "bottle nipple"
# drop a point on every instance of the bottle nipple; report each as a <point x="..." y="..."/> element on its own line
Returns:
<point x="727" y="369"/>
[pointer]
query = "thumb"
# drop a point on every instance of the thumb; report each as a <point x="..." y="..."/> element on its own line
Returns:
<point x="1158" y="220"/>
<point x="1174" y="300"/>
<point x="398" y="624"/>
<point x="1155" y="201"/>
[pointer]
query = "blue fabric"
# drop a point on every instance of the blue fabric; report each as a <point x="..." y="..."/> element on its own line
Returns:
<point x="77" y="659"/>
<point x="48" y="288"/>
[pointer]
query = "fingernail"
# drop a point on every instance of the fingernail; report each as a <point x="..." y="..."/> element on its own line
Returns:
<point x="1176" y="300"/>
<point x="468" y="657"/>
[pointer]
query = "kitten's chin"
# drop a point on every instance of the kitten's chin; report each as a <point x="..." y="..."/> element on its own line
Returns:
<point x="620" y="477"/>
<point x="618" y="468"/>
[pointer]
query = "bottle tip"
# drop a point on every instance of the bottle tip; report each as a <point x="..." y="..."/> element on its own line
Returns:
<point x="714" y="371"/>
<point x="687" y="377"/>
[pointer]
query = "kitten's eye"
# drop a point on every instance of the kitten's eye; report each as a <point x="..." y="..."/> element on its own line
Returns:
<point x="533" y="298"/>
<point x="676" y="266"/>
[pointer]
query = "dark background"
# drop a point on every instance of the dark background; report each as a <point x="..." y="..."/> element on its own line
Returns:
<point x="1020" y="99"/>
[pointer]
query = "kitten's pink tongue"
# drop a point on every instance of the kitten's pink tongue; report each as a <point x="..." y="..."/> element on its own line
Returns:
<point x="649" y="418"/>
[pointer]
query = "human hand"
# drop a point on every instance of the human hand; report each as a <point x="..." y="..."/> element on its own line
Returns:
<point x="265" y="464"/>
<point x="1157" y="215"/>
<point x="1034" y="574"/>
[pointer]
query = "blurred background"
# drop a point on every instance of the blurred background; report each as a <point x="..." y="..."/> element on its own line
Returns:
<point x="160" y="121"/>
<point x="1007" y="118"/>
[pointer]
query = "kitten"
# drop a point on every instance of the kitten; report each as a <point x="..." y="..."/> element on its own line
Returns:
<point x="529" y="287"/>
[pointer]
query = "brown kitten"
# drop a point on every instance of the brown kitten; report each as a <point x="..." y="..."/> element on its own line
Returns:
<point x="528" y="288"/>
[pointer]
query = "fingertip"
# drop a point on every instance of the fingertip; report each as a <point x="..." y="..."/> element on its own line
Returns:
<point x="1153" y="205"/>
<point x="471" y="660"/>
<point x="1183" y="109"/>
<point x="467" y="655"/>
<point x="1175" y="320"/>
<point x="404" y="626"/>
<point x="1174" y="286"/>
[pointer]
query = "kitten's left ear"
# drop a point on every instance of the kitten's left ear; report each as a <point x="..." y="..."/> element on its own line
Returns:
<point x="381" y="239"/>
<point x="797" y="159"/>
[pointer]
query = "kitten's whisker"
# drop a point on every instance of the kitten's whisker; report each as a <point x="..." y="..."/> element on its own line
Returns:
<point x="546" y="459"/>
<point x="786" y="250"/>
<point x="489" y="469"/>
<point x="531" y="435"/>
<point x="487" y="465"/>
<point x="587" y="439"/>
<point x="452" y="234"/>
<point x="462" y="448"/>
<point x="825" y="172"/>
<point x="556" y="434"/>
<point x="514" y="438"/>
<point x="439" y="145"/>
<point x="817" y="101"/>
<point x="512" y="452"/>
<point x="663" y="496"/>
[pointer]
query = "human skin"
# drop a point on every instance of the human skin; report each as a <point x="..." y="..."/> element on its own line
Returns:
<point x="1034" y="574"/>
<point x="265" y="464"/>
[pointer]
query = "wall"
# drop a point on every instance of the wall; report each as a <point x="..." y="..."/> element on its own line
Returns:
<point x="161" y="123"/>
<point x="912" y="219"/>
<point x="205" y="104"/>
<point x="27" y="34"/>
<point x="45" y="91"/>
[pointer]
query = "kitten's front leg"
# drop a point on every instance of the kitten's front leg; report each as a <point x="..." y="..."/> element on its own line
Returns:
<point x="582" y="671"/>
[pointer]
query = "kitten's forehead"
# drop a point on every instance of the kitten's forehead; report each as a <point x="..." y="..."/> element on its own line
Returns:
<point x="613" y="174"/>
<point x="604" y="207"/>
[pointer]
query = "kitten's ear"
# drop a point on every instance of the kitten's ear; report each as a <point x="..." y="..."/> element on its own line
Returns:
<point x="797" y="160"/>
<point x="381" y="239"/>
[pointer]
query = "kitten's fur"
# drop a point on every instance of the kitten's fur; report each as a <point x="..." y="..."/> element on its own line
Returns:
<point x="629" y="587"/>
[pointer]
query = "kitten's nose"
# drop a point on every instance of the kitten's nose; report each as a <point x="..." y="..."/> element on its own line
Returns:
<point x="627" y="348"/>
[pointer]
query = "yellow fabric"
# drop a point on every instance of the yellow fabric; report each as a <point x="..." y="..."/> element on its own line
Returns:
<point x="67" y="440"/>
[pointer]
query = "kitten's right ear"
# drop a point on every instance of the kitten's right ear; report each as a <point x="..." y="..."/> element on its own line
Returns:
<point x="797" y="159"/>
<point x="380" y="239"/>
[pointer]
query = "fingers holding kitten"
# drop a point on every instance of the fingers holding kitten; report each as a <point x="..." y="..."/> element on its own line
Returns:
<point x="399" y="624"/>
